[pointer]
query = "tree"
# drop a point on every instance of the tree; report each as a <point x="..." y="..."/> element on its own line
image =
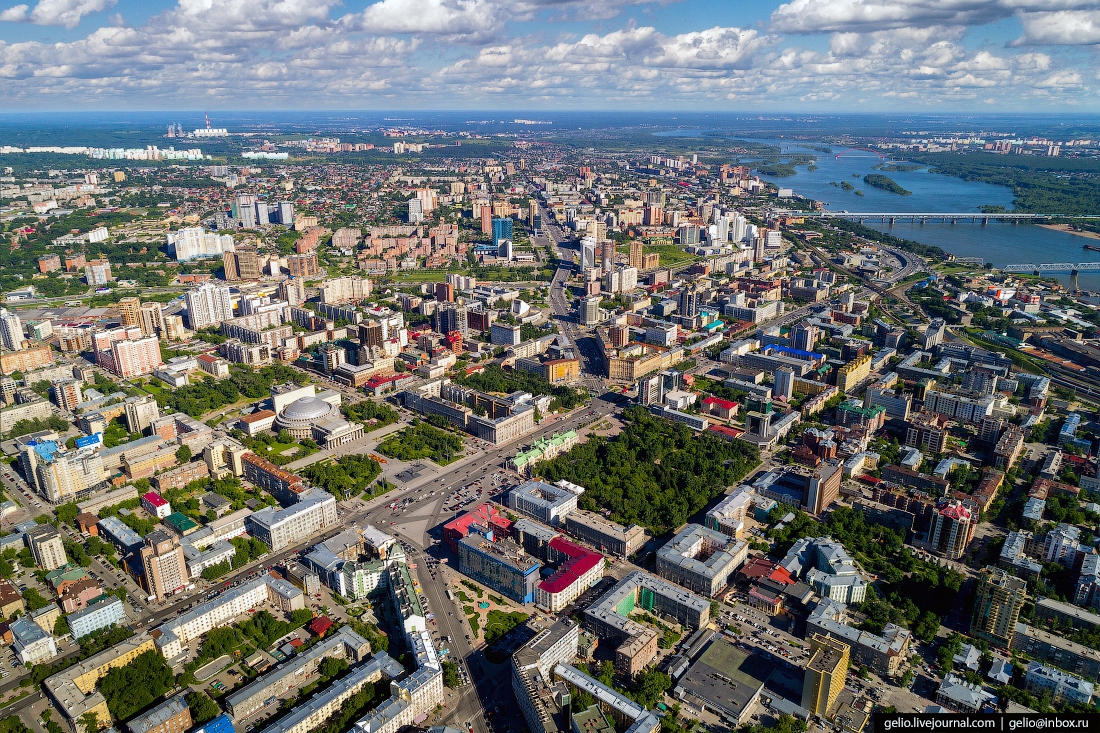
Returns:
<point x="203" y="709"/>
<point x="137" y="685"/>
<point x="34" y="599"/>
<point x="60" y="627"/>
<point x="332" y="666"/>
<point x="67" y="513"/>
<point x="90" y="721"/>
<point x="183" y="454"/>
<point x="450" y="675"/>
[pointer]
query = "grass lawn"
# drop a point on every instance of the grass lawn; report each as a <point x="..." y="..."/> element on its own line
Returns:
<point x="499" y="623"/>
<point x="421" y="276"/>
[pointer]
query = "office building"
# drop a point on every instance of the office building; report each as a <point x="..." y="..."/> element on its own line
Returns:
<point x="280" y="528"/>
<point x="588" y="310"/>
<point x="609" y="616"/>
<point x="207" y="305"/>
<point x="544" y="502"/>
<point x="997" y="604"/>
<point x="728" y="516"/>
<point x="804" y="337"/>
<point x="823" y="487"/>
<point x="784" y="383"/>
<point x="31" y="644"/>
<point x="533" y="664"/>
<point x="502" y="229"/>
<point x="47" y="547"/>
<point x="603" y="534"/>
<point x="108" y="611"/>
<point x="825" y="674"/>
<point x="164" y="565"/>
<point x="579" y="570"/>
<point x="700" y="559"/>
<point x="502" y="566"/>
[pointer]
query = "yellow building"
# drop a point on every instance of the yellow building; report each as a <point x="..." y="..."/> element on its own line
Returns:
<point x="74" y="689"/>
<point x="825" y="674"/>
<point x="854" y="372"/>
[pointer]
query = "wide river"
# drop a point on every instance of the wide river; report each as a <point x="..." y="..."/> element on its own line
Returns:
<point x="996" y="242"/>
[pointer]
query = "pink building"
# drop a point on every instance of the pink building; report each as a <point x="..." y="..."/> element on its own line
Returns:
<point x="131" y="358"/>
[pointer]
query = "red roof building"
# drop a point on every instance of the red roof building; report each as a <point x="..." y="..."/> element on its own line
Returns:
<point x="723" y="431"/>
<point x="581" y="570"/>
<point x="755" y="569"/>
<point x="320" y="625"/>
<point x="487" y="515"/>
<point x="722" y="409"/>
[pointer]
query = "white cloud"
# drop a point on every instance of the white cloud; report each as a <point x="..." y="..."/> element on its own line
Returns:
<point x="443" y="17"/>
<point x="56" y="12"/>
<point x="817" y="16"/>
<point x="1062" y="28"/>
<point x="14" y="14"/>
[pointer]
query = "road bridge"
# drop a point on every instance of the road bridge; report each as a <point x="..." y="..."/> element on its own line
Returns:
<point x="890" y="217"/>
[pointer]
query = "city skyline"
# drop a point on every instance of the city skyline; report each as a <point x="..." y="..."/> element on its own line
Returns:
<point x="813" y="55"/>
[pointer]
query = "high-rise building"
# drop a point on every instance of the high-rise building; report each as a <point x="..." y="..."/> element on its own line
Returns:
<point x="502" y="229"/>
<point x="245" y="211"/>
<point x="689" y="302"/>
<point x="149" y="319"/>
<point x="485" y="213"/>
<point x="450" y="318"/>
<point x="952" y="529"/>
<point x="303" y="265"/>
<point x="825" y="674"/>
<point x="132" y="357"/>
<point x="163" y="561"/>
<point x="607" y="255"/>
<point x="208" y="304"/>
<point x="243" y="263"/>
<point x="784" y="383"/>
<point x="11" y="330"/>
<point x="822" y="488"/>
<point x="286" y="213"/>
<point x="141" y="411"/>
<point x="66" y="394"/>
<point x="445" y="292"/>
<point x="588" y="309"/>
<point x="635" y="257"/>
<point x="47" y="547"/>
<point x="804" y="337"/>
<point x="416" y="210"/>
<point x="997" y="604"/>
<point x="292" y="290"/>
<point x="933" y="333"/>
<point x="128" y="309"/>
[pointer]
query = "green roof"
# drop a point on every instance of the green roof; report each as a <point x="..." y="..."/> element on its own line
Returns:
<point x="64" y="573"/>
<point x="181" y="524"/>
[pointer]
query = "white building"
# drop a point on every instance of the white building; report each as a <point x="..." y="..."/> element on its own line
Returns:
<point x="281" y="528"/>
<point x="32" y="644"/>
<point x="208" y="304"/>
<point x="194" y="242"/>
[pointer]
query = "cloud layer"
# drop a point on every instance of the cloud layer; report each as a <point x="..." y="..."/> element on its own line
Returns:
<point x="876" y="54"/>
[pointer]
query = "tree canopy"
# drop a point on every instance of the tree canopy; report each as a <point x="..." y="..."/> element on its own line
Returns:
<point x="656" y="473"/>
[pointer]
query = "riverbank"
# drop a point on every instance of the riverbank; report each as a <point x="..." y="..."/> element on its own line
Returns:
<point x="1068" y="229"/>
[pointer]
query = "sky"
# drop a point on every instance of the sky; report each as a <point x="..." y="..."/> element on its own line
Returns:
<point x="1035" y="56"/>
